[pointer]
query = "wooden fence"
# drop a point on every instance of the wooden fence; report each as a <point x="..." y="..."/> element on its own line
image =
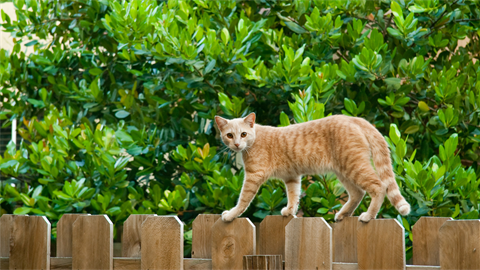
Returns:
<point x="156" y="242"/>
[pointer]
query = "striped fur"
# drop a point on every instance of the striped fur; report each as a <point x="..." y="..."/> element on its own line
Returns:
<point x="340" y="144"/>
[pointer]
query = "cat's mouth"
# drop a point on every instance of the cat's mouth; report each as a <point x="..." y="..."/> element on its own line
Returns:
<point x="237" y="149"/>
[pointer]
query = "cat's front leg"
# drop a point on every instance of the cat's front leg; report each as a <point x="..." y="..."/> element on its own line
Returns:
<point x="293" y="193"/>
<point x="250" y="187"/>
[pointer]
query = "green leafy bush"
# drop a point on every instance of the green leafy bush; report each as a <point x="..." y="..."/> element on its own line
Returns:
<point x="116" y="102"/>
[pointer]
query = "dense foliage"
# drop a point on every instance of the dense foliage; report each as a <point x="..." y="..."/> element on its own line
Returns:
<point x="116" y="102"/>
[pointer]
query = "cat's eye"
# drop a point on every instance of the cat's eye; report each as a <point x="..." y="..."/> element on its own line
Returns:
<point x="230" y="135"/>
<point x="244" y="134"/>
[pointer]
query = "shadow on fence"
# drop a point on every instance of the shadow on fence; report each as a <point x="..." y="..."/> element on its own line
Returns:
<point x="156" y="242"/>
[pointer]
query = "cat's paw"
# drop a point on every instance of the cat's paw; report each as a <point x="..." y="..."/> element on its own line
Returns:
<point x="365" y="217"/>
<point x="227" y="216"/>
<point x="287" y="211"/>
<point x="339" y="217"/>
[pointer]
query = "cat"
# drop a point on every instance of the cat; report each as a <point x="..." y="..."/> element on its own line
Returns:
<point x="340" y="144"/>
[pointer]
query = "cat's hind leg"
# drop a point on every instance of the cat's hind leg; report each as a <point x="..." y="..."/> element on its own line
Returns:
<point x="355" y="196"/>
<point x="377" y="191"/>
<point x="293" y="192"/>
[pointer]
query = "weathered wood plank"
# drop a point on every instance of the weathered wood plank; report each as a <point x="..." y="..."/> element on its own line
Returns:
<point x="262" y="262"/>
<point x="381" y="245"/>
<point x="230" y="242"/>
<point x="6" y="228"/>
<point x="272" y="235"/>
<point x="308" y="244"/>
<point x="127" y="263"/>
<point x="460" y="244"/>
<point x="92" y="243"/>
<point x="64" y="234"/>
<point x="30" y="243"/>
<point x="202" y="237"/>
<point x="354" y="266"/>
<point x="61" y="263"/>
<point x="345" y="240"/>
<point x="425" y="240"/>
<point x="197" y="264"/>
<point x="4" y="263"/>
<point x="132" y="235"/>
<point x="162" y="243"/>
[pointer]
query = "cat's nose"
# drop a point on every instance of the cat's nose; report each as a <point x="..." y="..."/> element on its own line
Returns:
<point x="237" y="144"/>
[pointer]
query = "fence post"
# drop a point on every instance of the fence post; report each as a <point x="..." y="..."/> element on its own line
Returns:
<point x="162" y="243"/>
<point x="460" y="244"/>
<point x="308" y="244"/>
<point x="64" y="234"/>
<point x="425" y="240"/>
<point x="92" y="243"/>
<point x="345" y="240"/>
<point x="201" y="235"/>
<point x="30" y="243"/>
<point x="132" y="233"/>
<point x="272" y="235"/>
<point x="262" y="262"/>
<point x="381" y="245"/>
<point x="230" y="242"/>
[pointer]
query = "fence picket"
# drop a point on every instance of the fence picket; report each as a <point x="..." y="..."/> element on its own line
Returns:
<point x="162" y="243"/>
<point x="345" y="240"/>
<point x="262" y="262"/>
<point x="6" y="228"/>
<point x="308" y="244"/>
<point x="30" y="243"/>
<point x="64" y="234"/>
<point x="425" y="240"/>
<point x="272" y="235"/>
<point x="131" y="237"/>
<point x="92" y="243"/>
<point x="381" y="245"/>
<point x="230" y="242"/>
<point x="201" y="236"/>
<point x="460" y="244"/>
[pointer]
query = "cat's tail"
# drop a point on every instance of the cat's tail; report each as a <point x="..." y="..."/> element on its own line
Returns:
<point x="383" y="166"/>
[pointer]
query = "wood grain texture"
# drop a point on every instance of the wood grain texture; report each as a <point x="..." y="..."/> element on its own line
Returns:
<point x="230" y="242"/>
<point x="272" y="235"/>
<point x="197" y="264"/>
<point x="162" y="243"/>
<point x="202" y="237"/>
<point x="30" y="243"/>
<point x="345" y="240"/>
<point x="127" y="263"/>
<point x="425" y="240"/>
<point x="262" y="262"/>
<point x="92" y="243"/>
<point x="61" y="263"/>
<point x="354" y="266"/>
<point x="460" y="244"/>
<point x="132" y="235"/>
<point x="64" y="234"/>
<point x="308" y="244"/>
<point x="381" y="245"/>
<point x="4" y="261"/>
<point x="6" y="228"/>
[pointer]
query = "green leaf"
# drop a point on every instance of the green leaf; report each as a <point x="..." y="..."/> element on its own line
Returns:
<point x="412" y="129"/>
<point x="122" y="114"/>
<point x="295" y="27"/>
<point x="394" y="134"/>
<point x="22" y="210"/>
<point x="95" y="71"/>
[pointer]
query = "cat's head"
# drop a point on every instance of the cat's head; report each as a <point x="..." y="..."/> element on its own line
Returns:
<point x="237" y="134"/>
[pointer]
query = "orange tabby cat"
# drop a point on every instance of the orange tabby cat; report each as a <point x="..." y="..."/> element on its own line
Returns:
<point x="340" y="144"/>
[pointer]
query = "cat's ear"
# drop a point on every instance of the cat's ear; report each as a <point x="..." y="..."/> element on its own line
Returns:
<point x="221" y="122"/>
<point x="250" y="119"/>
